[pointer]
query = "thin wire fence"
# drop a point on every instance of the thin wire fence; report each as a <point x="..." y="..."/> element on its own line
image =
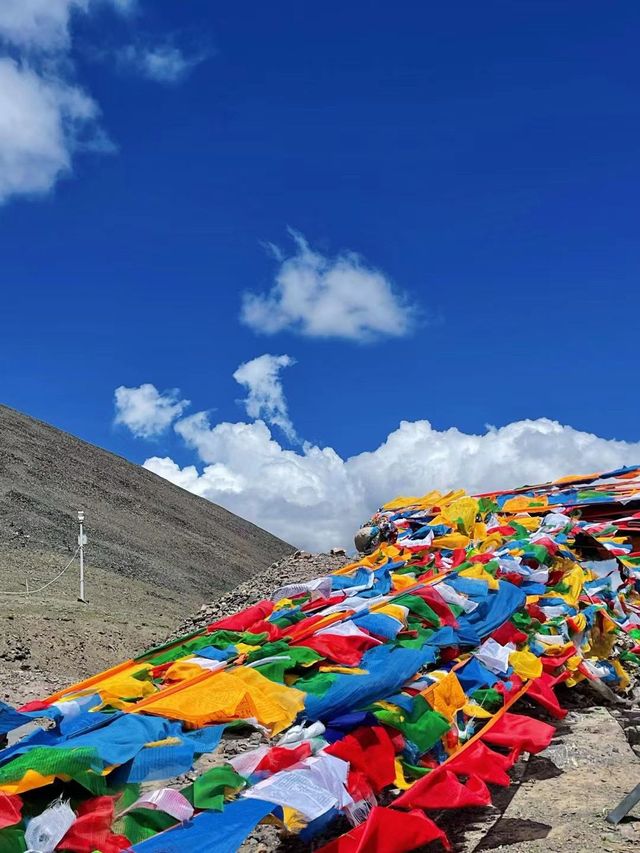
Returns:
<point x="41" y="588"/>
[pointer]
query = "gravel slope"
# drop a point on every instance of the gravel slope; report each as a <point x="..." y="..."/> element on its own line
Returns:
<point x="155" y="554"/>
<point x="140" y="526"/>
<point x="296" y="568"/>
<point x="47" y="644"/>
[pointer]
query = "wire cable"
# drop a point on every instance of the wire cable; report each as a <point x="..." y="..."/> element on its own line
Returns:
<point x="53" y="580"/>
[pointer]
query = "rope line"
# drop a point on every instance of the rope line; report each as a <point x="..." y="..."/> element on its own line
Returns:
<point x="53" y="580"/>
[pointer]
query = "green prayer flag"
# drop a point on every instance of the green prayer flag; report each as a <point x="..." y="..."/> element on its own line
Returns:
<point x="423" y="726"/>
<point x="488" y="698"/>
<point x="208" y="791"/>
<point x="53" y="761"/>
<point x="140" y="824"/>
<point x="317" y="682"/>
<point x="12" y="840"/>
<point x="420" y="607"/>
<point x="486" y="506"/>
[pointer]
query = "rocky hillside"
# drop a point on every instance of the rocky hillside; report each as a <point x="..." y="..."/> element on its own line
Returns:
<point x="155" y="554"/>
<point x="45" y="644"/>
<point x="297" y="568"/>
<point x="139" y="525"/>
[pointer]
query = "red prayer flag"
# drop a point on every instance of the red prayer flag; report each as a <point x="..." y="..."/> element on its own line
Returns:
<point x="424" y="560"/>
<point x="458" y="556"/>
<point x="536" y="612"/>
<point x="347" y="650"/>
<point x="548" y="543"/>
<point x="511" y="687"/>
<point x="369" y="750"/>
<point x="10" y="809"/>
<point x="358" y="786"/>
<point x="551" y="662"/>
<point x="442" y="789"/>
<point x="36" y="705"/>
<point x="245" y="619"/>
<point x="508" y="633"/>
<point x="503" y="529"/>
<point x="92" y="829"/>
<point x="304" y="629"/>
<point x="541" y="691"/>
<point x="160" y="670"/>
<point x="321" y="603"/>
<point x="521" y="732"/>
<point x="388" y="831"/>
<point x="437" y="603"/>
<point x="481" y="558"/>
<point x="487" y="764"/>
<point x="512" y="577"/>
<point x="439" y="562"/>
<point x="262" y="626"/>
<point x="279" y="757"/>
<point x="449" y="653"/>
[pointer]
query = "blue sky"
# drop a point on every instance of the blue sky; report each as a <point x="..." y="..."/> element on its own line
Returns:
<point x="469" y="171"/>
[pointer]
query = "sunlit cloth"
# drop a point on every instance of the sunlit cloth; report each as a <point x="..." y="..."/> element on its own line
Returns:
<point x="239" y="694"/>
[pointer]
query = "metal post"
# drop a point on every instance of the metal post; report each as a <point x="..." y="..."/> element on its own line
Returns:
<point x="81" y="542"/>
<point x="623" y="808"/>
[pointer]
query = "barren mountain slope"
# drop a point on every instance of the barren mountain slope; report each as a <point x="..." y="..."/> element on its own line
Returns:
<point x="139" y="525"/>
<point x="155" y="554"/>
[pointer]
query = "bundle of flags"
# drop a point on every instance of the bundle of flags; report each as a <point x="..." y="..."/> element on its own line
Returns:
<point x="386" y="691"/>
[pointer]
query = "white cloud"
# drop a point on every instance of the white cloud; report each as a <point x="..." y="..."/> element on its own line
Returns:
<point x="44" y="25"/>
<point x="42" y="121"/>
<point x="45" y="116"/>
<point x="162" y="63"/>
<point x="323" y="297"/>
<point x="261" y="378"/>
<point x="316" y="499"/>
<point x="38" y="24"/>
<point x="147" y="412"/>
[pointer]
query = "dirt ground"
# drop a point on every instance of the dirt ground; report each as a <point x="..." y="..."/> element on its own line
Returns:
<point x="49" y="642"/>
<point x="567" y="790"/>
<point x="559" y="799"/>
<point x="52" y="640"/>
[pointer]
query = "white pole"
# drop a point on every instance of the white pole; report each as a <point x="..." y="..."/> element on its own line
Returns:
<point x="81" y="541"/>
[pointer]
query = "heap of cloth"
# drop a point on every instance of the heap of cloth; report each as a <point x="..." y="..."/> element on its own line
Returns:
<point x="387" y="690"/>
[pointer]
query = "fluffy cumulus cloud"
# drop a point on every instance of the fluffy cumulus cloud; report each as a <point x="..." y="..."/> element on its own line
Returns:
<point x="315" y="499"/>
<point x="324" y="297"/>
<point x="43" y="120"/>
<point x="38" y="25"/>
<point x="147" y="412"/>
<point x="265" y="399"/>
<point x="312" y="497"/>
<point x="44" y="25"/>
<point x="45" y="116"/>
<point x="162" y="63"/>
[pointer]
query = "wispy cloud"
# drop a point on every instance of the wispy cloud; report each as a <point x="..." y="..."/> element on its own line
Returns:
<point x="44" y="119"/>
<point x="46" y="116"/>
<point x="266" y="400"/>
<point x="44" y="25"/>
<point x="163" y="62"/>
